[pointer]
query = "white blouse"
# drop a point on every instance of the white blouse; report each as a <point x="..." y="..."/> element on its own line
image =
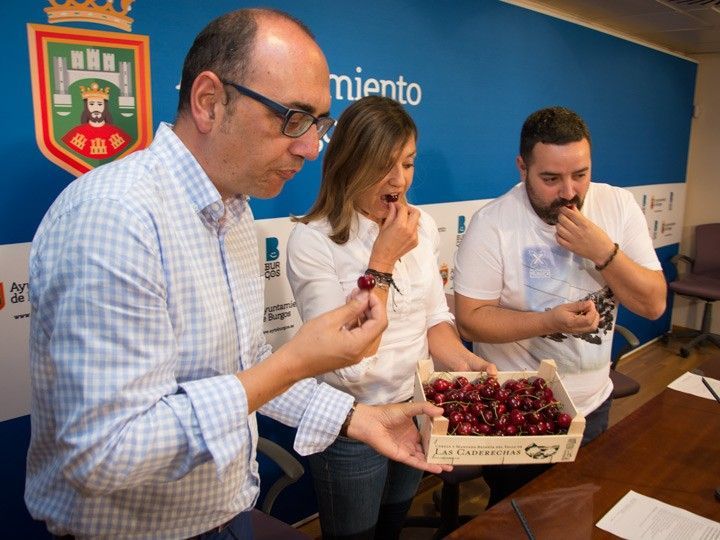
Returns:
<point x="322" y="274"/>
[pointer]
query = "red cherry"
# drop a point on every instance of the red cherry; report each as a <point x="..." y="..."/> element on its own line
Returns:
<point x="487" y="391"/>
<point x="563" y="420"/>
<point x="527" y="404"/>
<point x="514" y="402"/>
<point x="366" y="282"/>
<point x="476" y="408"/>
<point x="460" y="382"/>
<point x="454" y="395"/>
<point x="455" y="418"/>
<point x="441" y="385"/>
<point x="516" y="417"/>
<point x="487" y="416"/>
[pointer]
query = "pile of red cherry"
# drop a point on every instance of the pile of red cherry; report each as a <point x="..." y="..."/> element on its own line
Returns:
<point x="485" y="407"/>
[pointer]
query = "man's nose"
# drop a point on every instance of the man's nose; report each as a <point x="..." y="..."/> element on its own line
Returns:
<point x="567" y="189"/>
<point x="307" y="145"/>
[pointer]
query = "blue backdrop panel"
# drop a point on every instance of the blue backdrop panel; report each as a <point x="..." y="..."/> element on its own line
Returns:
<point x="645" y="329"/>
<point x="478" y="67"/>
<point x="481" y="66"/>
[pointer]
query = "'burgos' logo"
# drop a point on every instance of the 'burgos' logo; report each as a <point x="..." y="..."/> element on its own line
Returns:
<point x="272" y="252"/>
<point x="271" y="248"/>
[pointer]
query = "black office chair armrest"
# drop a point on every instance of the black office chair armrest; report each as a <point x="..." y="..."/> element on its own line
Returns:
<point x="675" y="259"/>
<point x="631" y="341"/>
<point x="623" y="385"/>
<point x="290" y="466"/>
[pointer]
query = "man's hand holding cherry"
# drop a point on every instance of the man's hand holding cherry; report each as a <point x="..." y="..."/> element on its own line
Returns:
<point x="573" y="318"/>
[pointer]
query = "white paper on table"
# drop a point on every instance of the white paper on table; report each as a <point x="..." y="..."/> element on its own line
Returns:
<point x="637" y="517"/>
<point x="692" y="384"/>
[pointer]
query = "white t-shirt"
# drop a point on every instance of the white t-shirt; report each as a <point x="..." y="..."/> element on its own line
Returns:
<point x="322" y="274"/>
<point x="509" y="253"/>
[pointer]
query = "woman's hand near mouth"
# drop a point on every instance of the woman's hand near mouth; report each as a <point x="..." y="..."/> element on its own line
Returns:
<point x="398" y="235"/>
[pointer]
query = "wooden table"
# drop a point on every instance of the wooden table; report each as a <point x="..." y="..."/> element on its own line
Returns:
<point x="668" y="449"/>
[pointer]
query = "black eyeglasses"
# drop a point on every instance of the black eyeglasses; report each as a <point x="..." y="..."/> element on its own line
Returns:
<point x="295" y="121"/>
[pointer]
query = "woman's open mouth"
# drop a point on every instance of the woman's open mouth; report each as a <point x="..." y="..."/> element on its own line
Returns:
<point x="390" y="197"/>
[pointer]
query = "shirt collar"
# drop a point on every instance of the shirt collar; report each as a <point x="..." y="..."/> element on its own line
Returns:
<point x="363" y="225"/>
<point x="181" y="163"/>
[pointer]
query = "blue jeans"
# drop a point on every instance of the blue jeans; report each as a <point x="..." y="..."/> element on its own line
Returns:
<point x="361" y="494"/>
<point x="505" y="479"/>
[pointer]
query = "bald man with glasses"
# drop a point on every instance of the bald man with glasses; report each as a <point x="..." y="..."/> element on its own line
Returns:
<point x="148" y="358"/>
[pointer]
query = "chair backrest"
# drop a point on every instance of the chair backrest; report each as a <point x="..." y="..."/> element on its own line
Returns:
<point x="707" y="249"/>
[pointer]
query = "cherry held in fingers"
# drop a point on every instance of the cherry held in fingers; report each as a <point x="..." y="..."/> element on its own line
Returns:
<point x="366" y="282"/>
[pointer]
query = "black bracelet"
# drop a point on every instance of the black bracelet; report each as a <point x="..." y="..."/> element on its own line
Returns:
<point x="346" y="423"/>
<point x="609" y="259"/>
<point x="383" y="279"/>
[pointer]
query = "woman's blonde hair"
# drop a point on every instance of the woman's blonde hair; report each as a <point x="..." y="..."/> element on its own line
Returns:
<point x="365" y="143"/>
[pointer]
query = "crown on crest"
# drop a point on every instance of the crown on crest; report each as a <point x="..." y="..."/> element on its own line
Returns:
<point x="94" y="91"/>
<point x="93" y="11"/>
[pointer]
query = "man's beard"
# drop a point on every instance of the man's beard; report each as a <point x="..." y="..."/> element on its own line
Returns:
<point x="97" y="118"/>
<point x="550" y="213"/>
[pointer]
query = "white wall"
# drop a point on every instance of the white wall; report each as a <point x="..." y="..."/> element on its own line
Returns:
<point x="702" y="195"/>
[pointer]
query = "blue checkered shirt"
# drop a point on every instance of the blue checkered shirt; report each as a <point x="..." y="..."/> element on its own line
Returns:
<point x="147" y="297"/>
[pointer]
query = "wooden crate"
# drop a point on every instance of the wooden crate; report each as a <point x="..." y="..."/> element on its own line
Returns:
<point x="498" y="450"/>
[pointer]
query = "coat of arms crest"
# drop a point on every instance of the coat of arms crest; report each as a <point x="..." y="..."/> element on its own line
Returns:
<point x="91" y="89"/>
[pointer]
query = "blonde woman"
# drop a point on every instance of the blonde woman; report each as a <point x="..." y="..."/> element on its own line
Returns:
<point x="361" y="223"/>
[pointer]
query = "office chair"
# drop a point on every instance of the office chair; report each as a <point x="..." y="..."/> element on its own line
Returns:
<point x="701" y="282"/>
<point x="266" y="527"/>
<point x="623" y="385"/>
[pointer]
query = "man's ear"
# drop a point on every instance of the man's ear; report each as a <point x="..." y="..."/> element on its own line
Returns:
<point x="206" y="96"/>
<point x="520" y="164"/>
